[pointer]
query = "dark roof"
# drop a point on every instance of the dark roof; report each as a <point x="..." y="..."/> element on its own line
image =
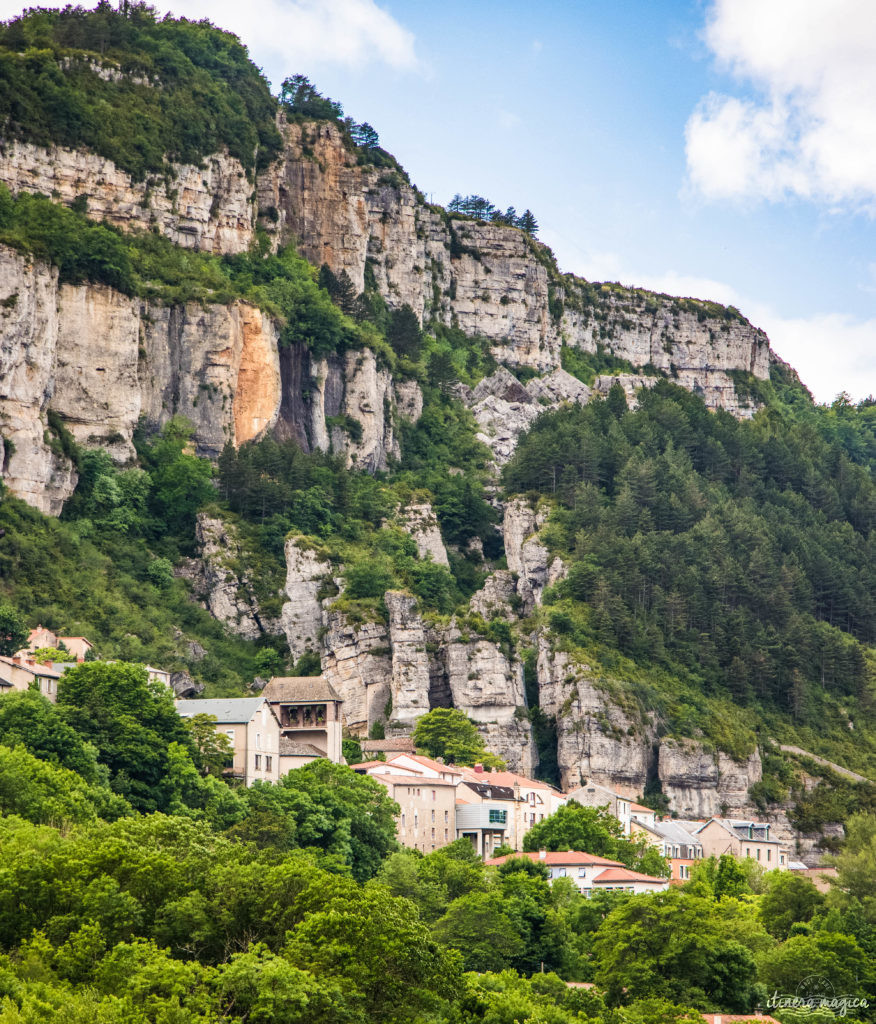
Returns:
<point x="403" y="743"/>
<point x="483" y="789"/>
<point x="295" y="748"/>
<point x="299" y="690"/>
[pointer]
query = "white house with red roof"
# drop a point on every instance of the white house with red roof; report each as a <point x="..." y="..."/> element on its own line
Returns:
<point x="591" y="873"/>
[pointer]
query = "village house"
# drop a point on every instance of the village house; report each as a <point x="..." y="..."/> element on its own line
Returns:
<point x="484" y="814"/>
<point x="591" y="794"/>
<point x="642" y="815"/>
<point x="41" y="638"/>
<point x="671" y="841"/>
<point x="533" y="800"/>
<point x="427" y="815"/>
<point x="425" y="790"/>
<point x="20" y="673"/>
<point x="742" y="839"/>
<point x="591" y="873"/>
<point x="253" y="730"/>
<point x="309" y="713"/>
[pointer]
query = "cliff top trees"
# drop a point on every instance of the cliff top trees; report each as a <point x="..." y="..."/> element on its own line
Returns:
<point x="482" y="209"/>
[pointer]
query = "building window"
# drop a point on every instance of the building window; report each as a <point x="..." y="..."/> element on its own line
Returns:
<point x="747" y="851"/>
<point x="230" y="734"/>
<point x="416" y="819"/>
<point x="403" y="819"/>
<point x="532" y="818"/>
<point x="433" y="795"/>
<point x="258" y="762"/>
<point x="769" y="854"/>
<point x="541" y="817"/>
<point x="561" y="872"/>
<point x="433" y="817"/>
<point x="781" y="858"/>
<point x="258" y="741"/>
<point x="532" y="798"/>
<point x="433" y="836"/>
<point x="269" y="762"/>
<point x="446" y="817"/>
<point x="582" y="872"/>
<point x="445" y="835"/>
<point x="498" y="817"/>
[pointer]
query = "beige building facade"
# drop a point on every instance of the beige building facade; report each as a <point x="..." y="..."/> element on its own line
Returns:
<point x="743" y="839"/>
<point x="309" y="713"/>
<point x="21" y="673"/>
<point x="252" y="729"/>
<point x="427" y="815"/>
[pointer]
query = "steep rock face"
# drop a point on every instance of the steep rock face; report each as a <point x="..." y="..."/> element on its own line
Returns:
<point x="701" y="783"/>
<point x="488" y="687"/>
<point x="221" y="581"/>
<point x="696" y="350"/>
<point x="420" y="522"/>
<point x="302" y="615"/>
<point x="96" y="391"/>
<point x="356" y="662"/>
<point x="481" y="276"/>
<point x="489" y="280"/>
<point x="216" y="365"/>
<point x="207" y="208"/>
<point x="595" y="738"/>
<point x="410" y="662"/>
<point x="28" y="342"/>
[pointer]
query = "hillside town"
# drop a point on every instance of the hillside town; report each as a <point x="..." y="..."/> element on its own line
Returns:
<point x="299" y="719"/>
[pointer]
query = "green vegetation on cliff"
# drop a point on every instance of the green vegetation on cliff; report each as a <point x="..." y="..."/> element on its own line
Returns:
<point x="134" y="88"/>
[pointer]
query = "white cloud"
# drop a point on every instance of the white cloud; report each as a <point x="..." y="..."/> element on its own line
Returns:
<point x="812" y="130"/>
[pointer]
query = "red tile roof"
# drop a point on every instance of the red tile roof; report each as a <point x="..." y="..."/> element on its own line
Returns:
<point x="622" y="874"/>
<point x="507" y="779"/>
<point x="561" y="858"/>
<point x="368" y="765"/>
<point x="436" y="766"/>
<point x="640" y="807"/>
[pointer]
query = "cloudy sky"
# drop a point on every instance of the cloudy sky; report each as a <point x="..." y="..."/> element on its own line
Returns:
<point x="724" y="149"/>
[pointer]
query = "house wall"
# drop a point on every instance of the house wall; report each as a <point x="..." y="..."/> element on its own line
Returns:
<point x="263" y="747"/>
<point x="717" y="841"/>
<point x="427" y="816"/>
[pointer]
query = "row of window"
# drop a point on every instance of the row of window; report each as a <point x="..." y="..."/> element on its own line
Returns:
<point x="769" y="854"/>
<point x="417" y="818"/>
<point x="416" y="791"/>
<point x="269" y="762"/>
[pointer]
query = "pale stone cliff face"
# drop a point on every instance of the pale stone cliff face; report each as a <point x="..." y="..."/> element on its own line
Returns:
<point x="487" y="279"/>
<point x="207" y="208"/>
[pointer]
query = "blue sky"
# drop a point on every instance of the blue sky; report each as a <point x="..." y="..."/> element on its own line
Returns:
<point x="719" y="148"/>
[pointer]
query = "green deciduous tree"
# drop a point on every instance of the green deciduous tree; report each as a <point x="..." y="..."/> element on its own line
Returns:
<point x="13" y="631"/>
<point x="450" y="734"/>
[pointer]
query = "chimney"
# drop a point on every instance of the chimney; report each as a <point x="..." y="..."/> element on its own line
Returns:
<point x="542" y="854"/>
<point x="494" y="770"/>
<point x="478" y="768"/>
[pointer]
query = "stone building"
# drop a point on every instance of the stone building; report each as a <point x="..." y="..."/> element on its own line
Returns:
<point x="309" y="712"/>
<point x="21" y="673"/>
<point x="743" y="839"/>
<point x="591" y="873"/>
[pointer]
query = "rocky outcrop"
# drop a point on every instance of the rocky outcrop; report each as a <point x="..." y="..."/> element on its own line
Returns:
<point x="596" y="739"/>
<point x="701" y="782"/>
<point x="497" y="597"/>
<point x="184" y="686"/>
<point x="302" y="616"/>
<point x="207" y="207"/>
<point x="410" y="662"/>
<point x="356" y="662"/>
<point x="419" y="520"/>
<point x="504" y="408"/>
<point x="527" y="557"/>
<point x="222" y="582"/>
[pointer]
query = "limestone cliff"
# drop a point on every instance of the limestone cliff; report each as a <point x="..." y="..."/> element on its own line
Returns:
<point x="208" y="207"/>
<point x="487" y="279"/>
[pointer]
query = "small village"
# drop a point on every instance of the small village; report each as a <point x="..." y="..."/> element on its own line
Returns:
<point x="299" y="719"/>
